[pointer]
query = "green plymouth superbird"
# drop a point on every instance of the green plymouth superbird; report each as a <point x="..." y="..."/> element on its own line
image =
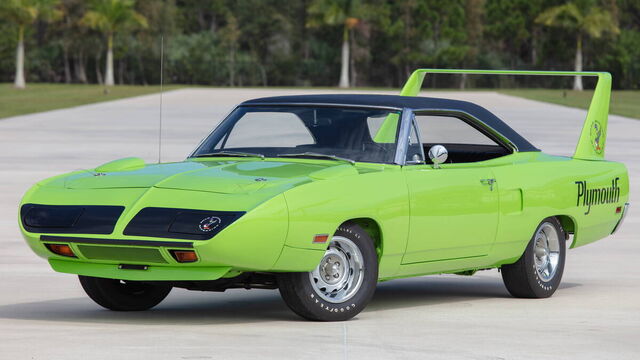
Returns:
<point x="322" y="196"/>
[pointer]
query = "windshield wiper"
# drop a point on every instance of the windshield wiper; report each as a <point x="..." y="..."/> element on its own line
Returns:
<point x="231" y="153"/>
<point x="318" y="155"/>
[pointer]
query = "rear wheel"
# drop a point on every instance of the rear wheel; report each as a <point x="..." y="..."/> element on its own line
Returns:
<point x="538" y="272"/>
<point x="120" y="295"/>
<point x="341" y="285"/>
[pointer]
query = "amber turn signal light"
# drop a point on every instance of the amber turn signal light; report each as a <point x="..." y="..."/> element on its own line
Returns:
<point x="61" y="249"/>
<point x="320" y="238"/>
<point x="184" y="256"/>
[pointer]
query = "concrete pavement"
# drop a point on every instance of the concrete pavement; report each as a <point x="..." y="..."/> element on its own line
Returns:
<point x="46" y="315"/>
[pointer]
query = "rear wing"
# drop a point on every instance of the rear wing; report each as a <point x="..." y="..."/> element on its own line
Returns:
<point x="593" y="137"/>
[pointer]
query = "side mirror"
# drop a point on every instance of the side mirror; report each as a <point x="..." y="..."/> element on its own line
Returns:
<point x="438" y="154"/>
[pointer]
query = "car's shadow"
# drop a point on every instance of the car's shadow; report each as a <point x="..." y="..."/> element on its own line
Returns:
<point x="240" y="306"/>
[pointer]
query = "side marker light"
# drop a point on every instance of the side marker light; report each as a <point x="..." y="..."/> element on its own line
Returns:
<point x="320" y="238"/>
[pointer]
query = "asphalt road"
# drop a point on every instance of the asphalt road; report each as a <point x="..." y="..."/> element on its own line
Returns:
<point x="46" y="315"/>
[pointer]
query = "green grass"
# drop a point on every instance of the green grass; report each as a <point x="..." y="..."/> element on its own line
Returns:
<point x="43" y="97"/>
<point x="623" y="102"/>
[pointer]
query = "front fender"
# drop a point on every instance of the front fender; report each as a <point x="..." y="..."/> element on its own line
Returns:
<point x="321" y="206"/>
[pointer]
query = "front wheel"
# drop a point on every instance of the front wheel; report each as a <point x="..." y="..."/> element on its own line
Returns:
<point x="120" y="295"/>
<point x="538" y="272"/>
<point x="341" y="285"/>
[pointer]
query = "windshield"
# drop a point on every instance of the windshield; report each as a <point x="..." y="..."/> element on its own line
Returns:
<point x="334" y="133"/>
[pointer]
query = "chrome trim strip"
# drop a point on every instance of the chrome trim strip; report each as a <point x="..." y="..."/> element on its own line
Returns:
<point x="403" y="136"/>
<point x="324" y="105"/>
<point x="625" y="209"/>
<point x="501" y="138"/>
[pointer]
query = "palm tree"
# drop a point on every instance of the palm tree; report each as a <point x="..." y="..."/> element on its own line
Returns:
<point x="593" y="22"/>
<point x="24" y="13"/>
<point x="109" y="17"/>
<point x="337" y="12"/>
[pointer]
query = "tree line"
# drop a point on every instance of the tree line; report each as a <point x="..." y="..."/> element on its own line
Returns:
<point x="314" y="42"/>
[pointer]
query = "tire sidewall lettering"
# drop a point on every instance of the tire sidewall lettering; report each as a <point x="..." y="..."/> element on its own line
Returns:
<point x="333" y="307"/>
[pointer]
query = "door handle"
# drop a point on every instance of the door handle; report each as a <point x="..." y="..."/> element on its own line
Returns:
<point x="489" y="182"/>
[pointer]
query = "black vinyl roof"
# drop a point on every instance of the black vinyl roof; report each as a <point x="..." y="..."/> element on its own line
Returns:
<point x="411" y="102"/>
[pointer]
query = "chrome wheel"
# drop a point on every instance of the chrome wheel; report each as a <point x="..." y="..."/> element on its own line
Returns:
<point x="339" y="275"/>
<point x="546" y="251"/>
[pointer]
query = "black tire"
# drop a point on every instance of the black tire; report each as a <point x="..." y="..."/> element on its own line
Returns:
<point x="301" y="295"/>
<point x="522" y="278"/>
<point x="120" y="295"/>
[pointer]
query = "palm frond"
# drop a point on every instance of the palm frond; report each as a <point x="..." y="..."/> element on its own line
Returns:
<point x="113" y="15"/>
<point x="599" y="21"/>
<point x="333" y="12"/>
<point x="95" y="20"/>
<point x="564" y="16"/>
<point x="23" y="12"/>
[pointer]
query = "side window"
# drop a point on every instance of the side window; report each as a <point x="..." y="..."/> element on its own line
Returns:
<point x="463" y="142"/>
<point x="449" y="130"/>
<point x="265" y="129"/>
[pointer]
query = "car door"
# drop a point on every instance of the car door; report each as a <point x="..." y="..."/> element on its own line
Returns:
<point x="454" y="207"/>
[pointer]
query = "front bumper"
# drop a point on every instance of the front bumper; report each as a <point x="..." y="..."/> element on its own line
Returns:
<point x="151" y="273"/>
<point x="128" y="259"/>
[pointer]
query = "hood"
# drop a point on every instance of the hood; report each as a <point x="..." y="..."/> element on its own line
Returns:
<point x="227" y="177"/>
